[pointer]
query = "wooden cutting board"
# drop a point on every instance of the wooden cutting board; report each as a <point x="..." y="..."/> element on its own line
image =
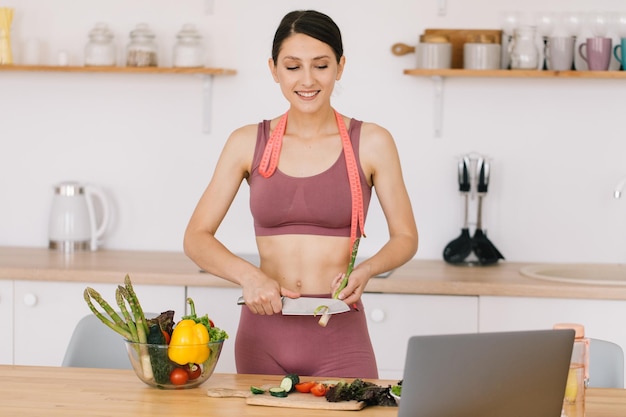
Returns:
<point x="293" y="400"/>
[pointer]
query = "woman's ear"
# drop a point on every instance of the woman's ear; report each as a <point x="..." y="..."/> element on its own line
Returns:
<point x="340" y="66"/>
<point x="270" y="63"/>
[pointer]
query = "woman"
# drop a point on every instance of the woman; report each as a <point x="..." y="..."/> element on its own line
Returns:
<point x="297" y="167"/>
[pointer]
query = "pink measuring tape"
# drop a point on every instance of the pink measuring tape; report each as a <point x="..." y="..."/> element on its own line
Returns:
<point x="269" y="162"/>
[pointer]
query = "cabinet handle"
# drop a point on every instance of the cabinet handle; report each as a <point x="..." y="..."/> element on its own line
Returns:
<point x="377" y="315"/>
<point x="30" y="299"/>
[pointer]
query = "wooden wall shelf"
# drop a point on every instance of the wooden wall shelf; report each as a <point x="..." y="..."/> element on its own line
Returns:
<point x="120" y="70"/>
<point x="438" y="75"/>
<point x="207" y="74"/>
<point x="514" y="73"/>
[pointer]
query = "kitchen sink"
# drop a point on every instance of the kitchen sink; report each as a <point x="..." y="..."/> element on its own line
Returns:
<point x="589" y="274"/>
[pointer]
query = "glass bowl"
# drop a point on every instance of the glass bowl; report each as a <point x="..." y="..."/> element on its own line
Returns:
<point x="153" y="366"/>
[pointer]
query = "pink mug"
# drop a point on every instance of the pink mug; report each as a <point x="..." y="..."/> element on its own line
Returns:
<point x="597" y="53"/>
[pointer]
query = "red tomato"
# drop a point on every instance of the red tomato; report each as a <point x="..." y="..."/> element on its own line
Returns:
<point x="179" y="376"/>
<point x="319" y="390"/>
<point x="167" y="337"/>
<point x="305" y="386"/>
<point x="193" y="370"/>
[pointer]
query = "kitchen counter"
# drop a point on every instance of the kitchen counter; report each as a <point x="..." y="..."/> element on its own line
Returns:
<point x="174" y="268"/>
<point x="31" y="391"/>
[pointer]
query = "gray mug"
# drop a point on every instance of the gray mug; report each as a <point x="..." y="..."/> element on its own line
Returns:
<point x="560" y="53"/>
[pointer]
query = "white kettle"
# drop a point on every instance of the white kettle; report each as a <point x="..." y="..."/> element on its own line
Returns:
<point x="73" y="224"/>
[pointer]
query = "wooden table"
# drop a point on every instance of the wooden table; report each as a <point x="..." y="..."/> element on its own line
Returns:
<point x="28" y="391"/>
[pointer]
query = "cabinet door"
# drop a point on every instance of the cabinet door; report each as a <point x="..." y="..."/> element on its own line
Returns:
<point x="6" y="322"/>
<point x="221" y="306"/>
<point x="47" y="312"/>
<point x="603" y="319"/>
<point x="394" y="318"/>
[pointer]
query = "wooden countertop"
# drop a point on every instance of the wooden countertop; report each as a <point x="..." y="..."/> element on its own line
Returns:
<point x="53" y="391"/>
<point x="29" y="391"/>
<point x="174" y="268"/>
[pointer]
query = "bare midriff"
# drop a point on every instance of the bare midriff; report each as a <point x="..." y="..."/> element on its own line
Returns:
<point x="304" y="263"/>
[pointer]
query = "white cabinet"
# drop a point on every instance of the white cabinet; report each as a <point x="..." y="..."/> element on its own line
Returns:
<point x="221" y="306"/>
<point x="603" y="319"/>
<point x="393" y="318"/>
<point x="6" y="322"/>
<point x="45" y="314"/>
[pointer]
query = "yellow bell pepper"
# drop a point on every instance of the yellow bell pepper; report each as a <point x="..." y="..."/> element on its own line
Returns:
<point x="189" y="343"/>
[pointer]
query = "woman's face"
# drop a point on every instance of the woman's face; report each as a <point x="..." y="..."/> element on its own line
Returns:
<point x="306" y="70"/>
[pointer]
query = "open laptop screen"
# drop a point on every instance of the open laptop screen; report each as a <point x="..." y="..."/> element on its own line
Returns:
<point x="503" y="374"/>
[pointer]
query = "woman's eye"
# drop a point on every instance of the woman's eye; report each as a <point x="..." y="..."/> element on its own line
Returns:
<point x="322" y="66"/>
<point x="292" y="68"/>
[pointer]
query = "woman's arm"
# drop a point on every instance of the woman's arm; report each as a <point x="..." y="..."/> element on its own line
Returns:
<point x="381" y="163"/>
<point x="261" y="293"/>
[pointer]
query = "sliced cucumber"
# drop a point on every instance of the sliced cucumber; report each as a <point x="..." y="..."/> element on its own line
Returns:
<point x="278" y="392"/>
<point x="256" y="390"/>
<point x="289" y="382"/>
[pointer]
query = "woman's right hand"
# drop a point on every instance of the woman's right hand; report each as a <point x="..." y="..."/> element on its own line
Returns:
<point x="265" y="297"/>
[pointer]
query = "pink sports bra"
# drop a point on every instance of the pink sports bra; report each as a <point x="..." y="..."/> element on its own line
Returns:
<point x="317" y="205"/>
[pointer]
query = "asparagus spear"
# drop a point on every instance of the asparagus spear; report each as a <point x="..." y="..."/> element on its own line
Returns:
<point x="133" y="327"/>
<point x="323" y="321"/>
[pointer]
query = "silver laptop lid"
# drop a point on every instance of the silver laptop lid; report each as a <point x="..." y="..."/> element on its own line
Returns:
<point x="504" y="374"/>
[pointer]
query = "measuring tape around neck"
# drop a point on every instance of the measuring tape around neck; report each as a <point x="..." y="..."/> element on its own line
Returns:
<point x="271" y="153"/>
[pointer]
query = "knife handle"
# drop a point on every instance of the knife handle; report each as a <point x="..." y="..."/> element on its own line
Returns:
<point x="241" y="301"/>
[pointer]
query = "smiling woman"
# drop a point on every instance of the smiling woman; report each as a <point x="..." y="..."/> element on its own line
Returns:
<point x="311" y="173"/>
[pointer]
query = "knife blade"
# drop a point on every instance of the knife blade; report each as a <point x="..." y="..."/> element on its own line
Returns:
<point x="307" y="306"/>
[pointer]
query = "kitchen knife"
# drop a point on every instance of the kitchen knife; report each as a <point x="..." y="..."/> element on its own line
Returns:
<point x="307" y="306"/>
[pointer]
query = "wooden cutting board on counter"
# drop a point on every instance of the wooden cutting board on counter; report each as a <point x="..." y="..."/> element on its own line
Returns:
<point x="458" y="37"/>
<point x="293" y="400"/>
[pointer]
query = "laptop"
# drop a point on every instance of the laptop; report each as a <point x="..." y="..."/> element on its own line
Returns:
<point x="503" y="374"/>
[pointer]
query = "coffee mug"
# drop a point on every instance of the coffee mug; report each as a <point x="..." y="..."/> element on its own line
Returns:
<point x="621" y="47"/>
<point x="597" y="53"/>
<point x="560" y="53"/>
<point x="435" y="55"/>
<point x="481" y="56"/>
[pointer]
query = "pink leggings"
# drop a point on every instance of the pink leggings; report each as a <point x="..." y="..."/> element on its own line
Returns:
<point x="278" y="345"/>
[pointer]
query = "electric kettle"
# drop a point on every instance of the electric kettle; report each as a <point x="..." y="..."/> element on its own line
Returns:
<point x="73" y="224"/>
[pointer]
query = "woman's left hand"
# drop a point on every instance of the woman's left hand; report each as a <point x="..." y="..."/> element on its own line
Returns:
<point x="356" y="285"/>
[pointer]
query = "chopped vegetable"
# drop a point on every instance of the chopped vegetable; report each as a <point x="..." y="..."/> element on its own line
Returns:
<point x="257" y="390"/>
<point x="289" y="382"/>
<point x="319" y="389"/>
<point x="360" y="390"/>
<point x="278" y="392"/>
<point x="305" y="387"/>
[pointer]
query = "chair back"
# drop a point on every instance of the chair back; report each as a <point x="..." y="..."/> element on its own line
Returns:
<point x="606" y="364"/>
<point x="94" y="345"/>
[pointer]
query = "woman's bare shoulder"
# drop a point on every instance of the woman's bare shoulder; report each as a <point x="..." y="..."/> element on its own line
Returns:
<point x="376" y="137"/>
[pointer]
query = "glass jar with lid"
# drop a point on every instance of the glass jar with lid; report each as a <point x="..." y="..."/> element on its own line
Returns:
<point x="142" y="48"/>
<point x="100" y="50"/>
<point x="188" y="50"/>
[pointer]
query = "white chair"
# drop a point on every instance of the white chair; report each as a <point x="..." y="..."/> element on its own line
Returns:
<point x="94" y="345"/>
<point x="606" y="364"/>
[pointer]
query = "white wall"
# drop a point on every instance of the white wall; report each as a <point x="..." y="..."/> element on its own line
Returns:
<point x="557" y="145"/>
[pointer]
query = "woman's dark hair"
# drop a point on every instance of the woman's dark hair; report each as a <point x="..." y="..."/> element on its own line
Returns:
<point x="311" y="23"/>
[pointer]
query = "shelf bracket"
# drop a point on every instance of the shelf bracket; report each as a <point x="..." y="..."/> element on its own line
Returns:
<point x="442" y="7"/>
<point x="438" y="104"/>
<point x="207" y="102"/>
